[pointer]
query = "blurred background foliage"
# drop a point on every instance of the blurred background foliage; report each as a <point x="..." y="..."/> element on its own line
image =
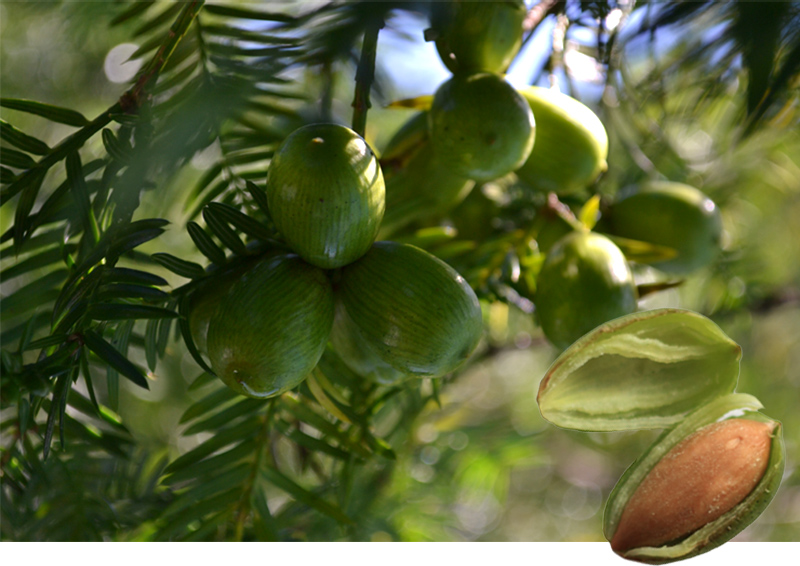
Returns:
<point x="704" y="93"/>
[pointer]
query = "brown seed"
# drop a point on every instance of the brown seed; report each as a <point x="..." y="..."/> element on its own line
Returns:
<point x="699" y="480"/>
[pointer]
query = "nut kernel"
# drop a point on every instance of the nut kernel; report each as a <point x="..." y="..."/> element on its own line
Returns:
<point x="698" y="481"/>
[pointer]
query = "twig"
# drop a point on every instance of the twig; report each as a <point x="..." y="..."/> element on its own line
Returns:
<point x="365" y="74"/>
<point x="128" y="102"/>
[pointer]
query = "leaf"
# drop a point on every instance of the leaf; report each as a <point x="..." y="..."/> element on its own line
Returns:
<point x="60" y="393"/>
<point x="213" y="400"/>
<point x="16" y="159"/>
<point x="114" y="147"/>
<point x="181" y="267"/>
<point x="222" y="438"/>
<point x="324" y="400"/>
<point x="134" y="276"/>
<point x="7" y="176"/>
<point x="34" y="295"/>
<point x="186" y="333"/>
<point x="37" y="261"/>
<point x="265" y="528"/>
<point x="205" y="244"/>
<point x="309" y="442"/>
<point x="226" y="235"/>
<point x="241" y="221"/>
<point x="642" y="252"/>
<point x="643" y="370"/>
<point x="165" y="16"/>
<point x="112" y="357"/>
<point x="423" y="102"/>
<point x="12" y="135"/>
<point x="25" y="205"/>
<point x="259" y="197"/>
<point x="244" y="13"/>
<point x="212" y="466"/>
<point x="52" y="113"/>
<point x="81" y="195"/>
<point x="131" y="291"/>
<point x="204" y="182"/>
<point x="241" y="408"/>
<point x="135" y="9"/>
<point x="590" y="212"/>
<point x="123" y="311"/>
<point x="304" y="496"/>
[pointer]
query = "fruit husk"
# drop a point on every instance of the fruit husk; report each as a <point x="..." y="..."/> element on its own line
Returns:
<point x="725" y="527"/>
<point x="571" y="145"/>
<point x="478" y="36"/>
<point x="271" y="328"/>
<point x="480" y="127"/>
<point x="584" y="282"/>
<point x="673" y="215"/>
<point x="644" y="370"/>
<point x="326" y="194"/>
<point x="416" y="312"/>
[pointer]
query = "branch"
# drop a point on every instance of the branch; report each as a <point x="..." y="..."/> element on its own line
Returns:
<point x="128" y="103"/>
<point x="365" y="74"/>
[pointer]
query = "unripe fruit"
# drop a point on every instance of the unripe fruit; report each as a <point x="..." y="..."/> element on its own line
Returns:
<point x="417" y="314"/>
<point x="480" y="127"/>
<point x="571" y="143"/>
<point x="357" y="354"/>
<point x="702" y="478"/>
<point x="423" y="188"/>
<point x="584" y="282"/>
<point x="478" y="36"/>
<point x="674" y="215"/>
<point x="326" y="194"/>
<point x="271" y="328"/>
<point x="205" y="300"/>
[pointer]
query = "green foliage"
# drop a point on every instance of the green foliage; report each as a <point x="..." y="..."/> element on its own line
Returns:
<point x="98" y="273"/>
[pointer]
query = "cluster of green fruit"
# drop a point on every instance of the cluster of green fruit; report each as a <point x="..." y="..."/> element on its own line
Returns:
<point x="394" y="309"/>
<point x="586" y="280"/>
<point x="479" y="128"/>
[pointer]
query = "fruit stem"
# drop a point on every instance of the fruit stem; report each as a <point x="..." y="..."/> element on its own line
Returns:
<point x="365" y="74"/>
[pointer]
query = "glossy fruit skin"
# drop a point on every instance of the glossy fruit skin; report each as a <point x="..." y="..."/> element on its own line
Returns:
<point x="584" y="282"/>
<point x="357" y="354"/>
<point x="478" y="36"/>
<point x="571" y="143"/>
<point x="271" y="327"/>
<point x="674" y="215"/>
<point x="417" y="314"/>
<point x="480" y="127"/>
<point x="205" y="300"/>
<point x="326" y="194"/>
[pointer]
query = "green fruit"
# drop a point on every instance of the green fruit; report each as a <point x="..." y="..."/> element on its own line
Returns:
<point x="405" y="141"/>
<point x="673" y="215"/>
<point x="478" y="36"/>
<point x="357" y="354"/>
<point x="271" y="327"/>
<point x="480" y="127"/>
<point x="326" y="194"/>
<point x="474" y="218"/>
<point x="584" y="282"/>
<point x="571" y="143"/>
<point x="423" y="188"/>
<point x="206" y="298"/>
<point x="417" y="314"/>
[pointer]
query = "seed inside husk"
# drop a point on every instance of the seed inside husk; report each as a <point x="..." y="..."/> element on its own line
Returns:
<point x="699" y="480"/>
